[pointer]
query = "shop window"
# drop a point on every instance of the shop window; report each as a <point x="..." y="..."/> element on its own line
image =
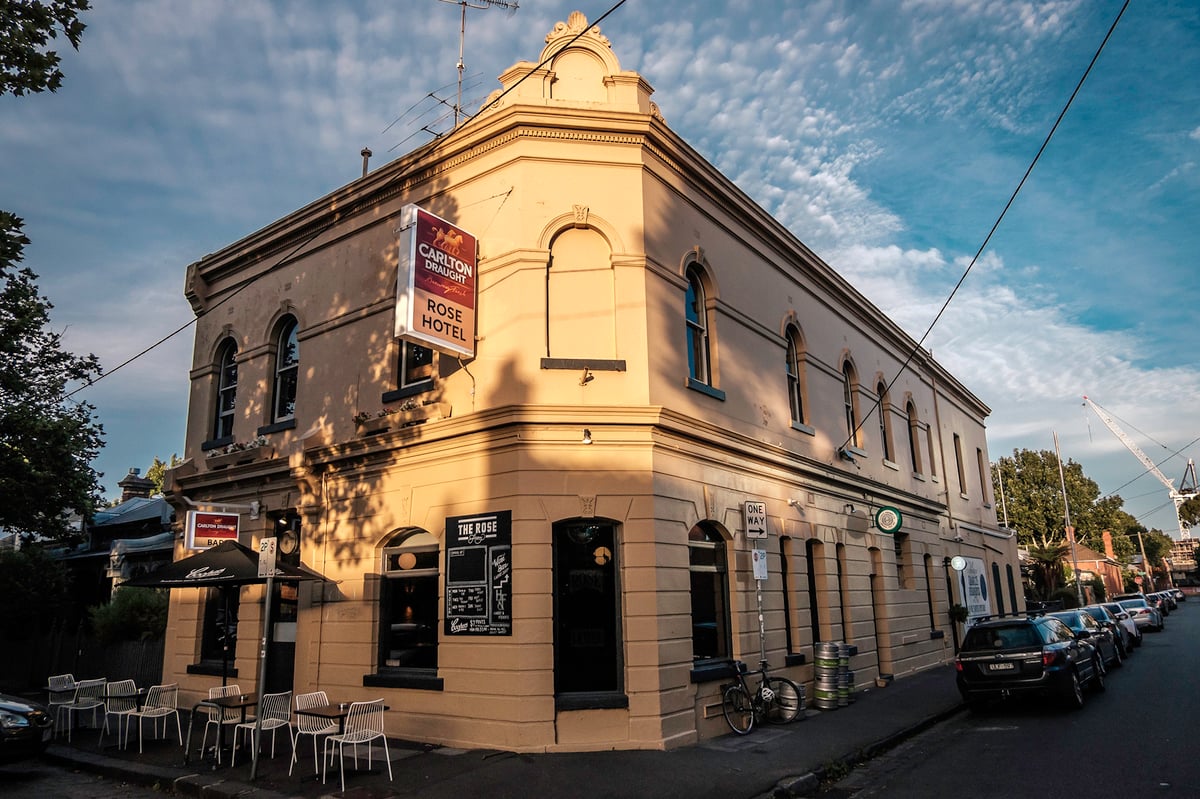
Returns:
<point x="903" y="552"/>
<point x="287" y="370"/>
<point x="589" y="663"/>
<point x="814" y="553"/>
<point x="227" y="378"/>
<point x="996" y="588"/>
<point x="795" y="375"/>
<point x="408" y="608"/>
<point x="929" y="598"/>
<point x="218" y="638"/>
<point x="710" y="594"/>
<point x="843" y="588"/>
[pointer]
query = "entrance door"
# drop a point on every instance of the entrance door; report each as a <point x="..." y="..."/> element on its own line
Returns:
<point x="587" y="618"/>
<point x="281" y="639"/>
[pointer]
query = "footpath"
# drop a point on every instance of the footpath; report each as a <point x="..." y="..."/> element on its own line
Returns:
<point x="780" y="762"/>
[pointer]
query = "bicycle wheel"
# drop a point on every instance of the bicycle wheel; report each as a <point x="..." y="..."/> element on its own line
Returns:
<point x="786" y="704"/>
<point x="738" y="709"/>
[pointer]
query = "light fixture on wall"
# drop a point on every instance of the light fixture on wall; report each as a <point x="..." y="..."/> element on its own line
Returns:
<point x="587" y="436"/>
<point x="793" y="503"/>
<point x="587" y="377"/>
<point x="848" y="509"/>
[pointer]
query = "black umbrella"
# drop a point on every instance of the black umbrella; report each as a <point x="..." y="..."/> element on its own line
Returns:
<point x="227" y="565"/>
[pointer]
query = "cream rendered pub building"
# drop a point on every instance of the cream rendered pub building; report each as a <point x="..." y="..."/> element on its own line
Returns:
<point x="535" y="534"/>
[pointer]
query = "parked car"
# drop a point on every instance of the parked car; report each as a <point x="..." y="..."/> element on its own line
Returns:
<point x="1144" y="615"/>
<point x="1032" y="656"/>
<point x="1169" y="596"/>
<point x="1159" y="602"/>
<point x="1126" y="638"/>
<point x="1104" y="638"/>
<point x="1126" y="621"/>
<point x="25" y="729"/>
<point x="1179" y="595"/>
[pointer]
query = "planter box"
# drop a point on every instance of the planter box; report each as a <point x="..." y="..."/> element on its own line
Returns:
<point x="394" y="421"/>
<point x="242" y="456"/>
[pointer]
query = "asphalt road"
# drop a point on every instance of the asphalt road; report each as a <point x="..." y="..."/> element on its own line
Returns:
<point x="1137" y="739"/>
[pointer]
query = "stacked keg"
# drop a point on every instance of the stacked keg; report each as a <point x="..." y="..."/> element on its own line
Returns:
<point x="834" y="680"/>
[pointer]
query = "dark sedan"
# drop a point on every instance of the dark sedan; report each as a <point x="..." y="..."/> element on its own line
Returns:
<point x="26" y="728"/>
<point x="1090" y="630"/>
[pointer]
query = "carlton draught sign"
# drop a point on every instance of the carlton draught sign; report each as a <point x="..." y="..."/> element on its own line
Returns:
<point x="206" y="529"/>
<point x="435" y="290"/>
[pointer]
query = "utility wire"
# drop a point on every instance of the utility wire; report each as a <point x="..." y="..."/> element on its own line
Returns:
<point x="879" y="400"/>
<point x="333" y="220"/>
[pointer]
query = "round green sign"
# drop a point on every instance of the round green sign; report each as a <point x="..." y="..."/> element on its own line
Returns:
<point x="888" y="519"/>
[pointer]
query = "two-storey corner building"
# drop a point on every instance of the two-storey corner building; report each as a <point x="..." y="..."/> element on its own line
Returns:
<point x="536" y="525"/>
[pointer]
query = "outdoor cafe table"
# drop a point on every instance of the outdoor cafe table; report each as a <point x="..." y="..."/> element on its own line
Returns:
<point x="221" y="704"/>
<point x="334" y="711"/>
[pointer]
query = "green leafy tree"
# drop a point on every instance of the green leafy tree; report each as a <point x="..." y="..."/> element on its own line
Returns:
<point x="1048" y="558"/>
<point x="1033" y="502"/>
<point x="158" y="471"/>
<point x="1189" y="512"/>
<point x="33" y="592"/>
<point x="26" y="28"/>
<point x="47" y="443"/>
<point x="133" y="614"/>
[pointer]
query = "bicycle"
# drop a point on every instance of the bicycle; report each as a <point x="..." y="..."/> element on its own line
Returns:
<point x="777" y="699"/>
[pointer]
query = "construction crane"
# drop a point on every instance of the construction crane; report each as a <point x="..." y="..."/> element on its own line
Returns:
<point x="1187" y="486"/>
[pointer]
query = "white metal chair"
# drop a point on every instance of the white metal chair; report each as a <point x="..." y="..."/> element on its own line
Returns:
<point x="311" y="725"/>
<point x="162" y="701"/>
<point x="62" y="692"/>
<point x="89" y="695"/>
<point x="364" y="724"/>
<point x="276" y="712"/>
<point x="219" y="717"/>
<point x="120" y="700"/>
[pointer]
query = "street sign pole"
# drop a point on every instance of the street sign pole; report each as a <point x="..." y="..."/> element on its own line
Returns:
<point x="266" y="568"/>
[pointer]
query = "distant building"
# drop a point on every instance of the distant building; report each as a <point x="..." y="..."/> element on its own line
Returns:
<point x="550" y="399"/>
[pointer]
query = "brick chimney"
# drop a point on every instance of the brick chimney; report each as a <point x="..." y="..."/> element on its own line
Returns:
<point x="1106" y="536"/>
<point x="133" y="485"/>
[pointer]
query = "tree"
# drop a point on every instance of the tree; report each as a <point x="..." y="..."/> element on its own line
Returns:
<point x="33" y="592"/>
<point x="158" y="471"/>
<point x="1189" y="512"/>
<point x="26" y="27"/>
<point x="1033" y="503"/>
<point x="1048" y="556"/>
<point x="47" y="443"/>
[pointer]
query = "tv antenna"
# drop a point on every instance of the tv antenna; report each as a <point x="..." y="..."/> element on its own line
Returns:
<point x="509" y="5"/>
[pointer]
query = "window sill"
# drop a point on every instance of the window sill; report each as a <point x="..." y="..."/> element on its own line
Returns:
<point x="705" y="388"/>
<point x="918" y="476"/>
<point x="800" y="427"/>
<point x="711" y="671"/>
<point x="795" y="659"/>
<point x="857" y="452"/>
<point x="895" y="467"/>
<point x="216" y="443"/>
<point x="406" y="392"/>
<point x="212" y="668"/>
<point x="276" y="427"/>
<point x="425" y="681"/>
<point x="592" y="700"/>
<point x="936" y="634"/>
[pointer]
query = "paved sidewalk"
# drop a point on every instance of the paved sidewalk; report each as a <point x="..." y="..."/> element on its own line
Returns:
<point x="773" y="761"/>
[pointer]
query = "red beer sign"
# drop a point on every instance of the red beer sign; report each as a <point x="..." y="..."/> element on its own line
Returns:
<point x="435" y="302"/>
<point x="207" y="529"/>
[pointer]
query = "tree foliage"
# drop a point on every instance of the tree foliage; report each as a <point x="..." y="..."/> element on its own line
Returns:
<point x="158" y="471"/>
<point x="133" y="614"/>
<point x="33" y="592"/>
<point x="1189" y="512"/>
<point x="26" y="28"/>
<point x="1033" y="503"/>
<point x="47" y="443"/>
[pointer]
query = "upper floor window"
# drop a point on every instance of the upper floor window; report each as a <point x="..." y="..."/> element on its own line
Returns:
<point x="914" y="443"/>
<point x="227" y="377"/>
<point x="287" y="370"/>
<point x="699" y="362"/>
<point x="958" y="462"/>
<point x="795" y="375"/>
<point x="850" y="403"/>
<point x="885" y="421"/>
<point x="416" y="366"/>
<point x="982" y="464"/>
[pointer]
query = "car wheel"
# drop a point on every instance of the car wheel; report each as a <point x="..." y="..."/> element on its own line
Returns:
<point x="1098" y="682"/>
<point x="1118" y="657"/>
<point x="1073" y="695"/>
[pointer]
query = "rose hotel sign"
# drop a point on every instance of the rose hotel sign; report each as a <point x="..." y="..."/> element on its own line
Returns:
<point x="435" y="289"/>
<point x="205" y="529"/>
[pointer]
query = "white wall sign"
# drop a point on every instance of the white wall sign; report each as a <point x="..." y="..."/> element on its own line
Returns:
<point x="758" y="557"/>
<point x="755" y="517"/>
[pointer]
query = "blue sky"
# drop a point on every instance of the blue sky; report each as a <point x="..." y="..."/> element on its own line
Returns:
<point x="887" y="136"/>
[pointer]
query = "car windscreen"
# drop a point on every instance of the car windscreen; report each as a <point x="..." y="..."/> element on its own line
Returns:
<point x="999" y="638"/>
<point x="1134" y="603"/>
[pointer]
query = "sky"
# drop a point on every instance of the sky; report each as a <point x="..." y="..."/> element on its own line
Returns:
<point x="888" y="136"/>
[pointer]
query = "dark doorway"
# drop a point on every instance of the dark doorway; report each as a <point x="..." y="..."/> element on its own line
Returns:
<point x="281" y="643"/>
<point x="588" y="662"/>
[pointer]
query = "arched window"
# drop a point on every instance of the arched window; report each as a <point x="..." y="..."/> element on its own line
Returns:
<point x="885" y="421"/>
<point x="850" y="403"/>
<point x="699" y="362"/>
<point x="408" y="603"/>
<point x="710" y="594"/>
<point x="287" y="370"/>
<point x="227" y="378"/>
<point x="795" y="375"/>
<point x="914" y="443"/>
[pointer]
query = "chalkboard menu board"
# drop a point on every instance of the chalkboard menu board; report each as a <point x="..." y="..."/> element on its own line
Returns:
<point x="479" y="574"/>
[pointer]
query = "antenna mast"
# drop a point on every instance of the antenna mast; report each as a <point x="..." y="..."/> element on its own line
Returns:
<point x="510" y="5"/>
